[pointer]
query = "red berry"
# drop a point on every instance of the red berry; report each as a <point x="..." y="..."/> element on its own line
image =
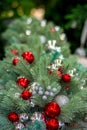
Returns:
<point x="26" y="94"/>
<point x="28" y="56"/>
<point x="13" y="116"/>
<point x="15" y="61"/>
<point x="66" y="78"/>
<point x="52" y="109"/>
<point x="23" y="82"/>
<point x="52" y="124"/>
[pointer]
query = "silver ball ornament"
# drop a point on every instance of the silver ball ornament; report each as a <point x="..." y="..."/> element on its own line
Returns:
<point x="62" y="100"/>
<point x="49" y="88"/>
<point x="51" y="94"/>
<point x="44" y="97"/>
<point x="40" y="92"/>
<point x="46" y="93"/>
<point x="54" y="89"/>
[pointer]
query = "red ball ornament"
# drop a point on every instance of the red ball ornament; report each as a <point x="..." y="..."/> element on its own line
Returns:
<point x="52" y="29"/>
<point x="15" y="61"/>
<point x="52" y="109"/>
<point x="28" y="56"/>
<point x="26" y="94"/>
<point x="60" y="69"/>
<point x="13" y="116"/>
<point x="52" y="124"/>
<point x="66" y="77"/>
<point x="23" y="82"/>
<point x="14" y="52"/>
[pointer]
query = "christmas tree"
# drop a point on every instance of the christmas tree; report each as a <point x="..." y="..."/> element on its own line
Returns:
<point x="42" y="88"/>
<point x="40" y="91"/>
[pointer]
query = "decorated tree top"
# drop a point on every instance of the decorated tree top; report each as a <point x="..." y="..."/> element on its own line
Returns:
<point x="26" y="30"/>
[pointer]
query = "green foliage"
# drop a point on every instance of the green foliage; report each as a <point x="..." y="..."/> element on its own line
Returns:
<point x="37" y="126"/>
<point x="75" y="106"/>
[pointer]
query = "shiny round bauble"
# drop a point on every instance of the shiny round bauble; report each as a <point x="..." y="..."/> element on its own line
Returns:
<point x="13" y="117"/>
<point x="61" y="100"/>
<point x="52" y="124"/>
<point x="15" y="61"/>
<point x="28" y="56"/>
<point x="23" y="82"/>
<point x="66" y="77"/>
<point x="52" y="109"/>
<point x="26" y="94"/>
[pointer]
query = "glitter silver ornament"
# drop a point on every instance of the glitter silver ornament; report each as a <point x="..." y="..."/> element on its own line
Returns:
<point x="51" y="94"/>
<point x="62" y="36"/>
<point x="40" y="88"/>
<point x="34" y="92"/>
<point x="43" y="23"/>
<point x="57" y="28"/>
<point x="36" y="116"/>
<point x="23" y="117"/>
<point x="35" y="86"/>
<point x="28" y="32"/>
<point x="29" y="20"/>
<point x="42" y="38"/>
<point x="44" y="97"/>
<point x="19" y="126"/>
<point x="48" y="87"/>
<point x="40" y="92"/>
<point x="62" y="100"/>
<point x="54" y="89"/>
<point x="46" y="93"/>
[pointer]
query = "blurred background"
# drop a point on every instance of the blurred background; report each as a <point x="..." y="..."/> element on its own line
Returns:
<point x="70" y="15"/>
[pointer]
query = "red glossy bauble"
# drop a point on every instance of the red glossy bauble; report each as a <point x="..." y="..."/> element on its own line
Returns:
<point x="14" y="52"/>
<point x="66" y="77"/>
<point x="15" y="61"/>
<point x="52" y="109"/>
<point x="13" y="116"/>
<point x="28" y="56"/>
<point x="52" y="29"/>
<point x="23" y="82"/>
<point x="52" y="124"/>
<point x="26" y="94"/>
<point x="60" y="69"/>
